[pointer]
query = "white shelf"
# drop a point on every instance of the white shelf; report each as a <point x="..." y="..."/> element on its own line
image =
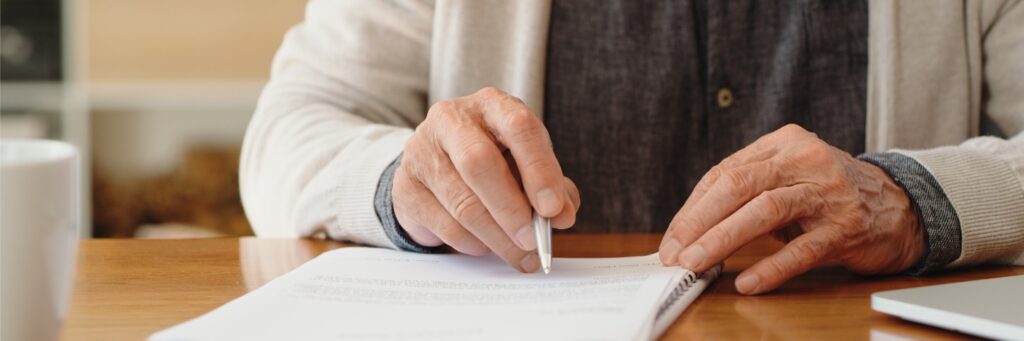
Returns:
<point x="132" y="96"/>
<point x="32" y="96"/>
<point x="75" y="120"/>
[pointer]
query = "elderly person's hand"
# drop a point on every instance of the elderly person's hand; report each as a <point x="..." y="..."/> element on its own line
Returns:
<point x="472" y="174"/>
<point x="824" y="203"/>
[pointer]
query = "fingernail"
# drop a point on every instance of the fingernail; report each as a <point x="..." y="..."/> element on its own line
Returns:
<point x="746" y="284"/>
<point x="527" y="238"/>
<point x="692" y="257"/>
<point x="670" y="252"/>
<point x="530" y="263"/>
<point x="549" y="203"/>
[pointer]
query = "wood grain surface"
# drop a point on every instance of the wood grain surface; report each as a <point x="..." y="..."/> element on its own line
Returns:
<point x="128" y="289"/>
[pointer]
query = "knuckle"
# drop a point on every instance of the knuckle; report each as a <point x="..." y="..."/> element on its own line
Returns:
<point x="515" y="212"/>
<point x="770" y="205"/>
<point x="515" y="100"/>
<point x="715" y="172"/>
<point x="467" y="208"/>
<point x="710" y="177"/>
<point x="809" y="252"/>
<point x="540" y="165"/>
<point x="820" y="150"/>
<point x="814" y="153"/>
<point x="442" y="108"/>
<point x="734" y="181"/>
<point x="490" y="91"/>
<point x="477" y="158"/>
<point x="521" y="122"/>
<point x="792" y="128"/>
<point x="721" y="238"/>
<point x="777" y="269"/>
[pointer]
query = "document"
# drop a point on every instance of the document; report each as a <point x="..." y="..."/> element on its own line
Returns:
<point x="370" y="293"/>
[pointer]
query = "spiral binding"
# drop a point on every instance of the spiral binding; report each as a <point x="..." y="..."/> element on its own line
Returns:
<point x="688" y="280"/>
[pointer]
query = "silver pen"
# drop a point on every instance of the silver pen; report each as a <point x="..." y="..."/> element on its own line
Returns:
<point x="542" y="227"/>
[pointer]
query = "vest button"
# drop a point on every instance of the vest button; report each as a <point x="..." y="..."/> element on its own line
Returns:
<point x="724" y="98"/>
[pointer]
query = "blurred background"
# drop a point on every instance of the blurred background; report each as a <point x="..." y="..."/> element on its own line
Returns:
<point x="157" y="95"/>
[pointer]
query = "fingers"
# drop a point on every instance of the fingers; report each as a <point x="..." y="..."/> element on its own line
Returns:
<point x="523" y="133"/>
<point x="464" y="205"/>
<point x="480" y="163"/>
<point x="467" y="209"/>
<point x="458" y="156"/>
<point x="423" y="236"/>
<point x="732" y="189"/>
<point x="760" y="150"/>
<point x="401" y="195"/>
<point x="762" y="215"/>
<point x="764" y="148"/>
<point x="427" y="221"/>
<point x="780" y="179"/>
<point x="567" y="217"/>
<point x="802" y="254"/>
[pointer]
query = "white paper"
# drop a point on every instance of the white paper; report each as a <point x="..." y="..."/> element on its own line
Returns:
<point x="369" y="293"/>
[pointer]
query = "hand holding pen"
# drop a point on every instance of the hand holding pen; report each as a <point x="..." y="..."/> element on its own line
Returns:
<point x="455" y="186"/>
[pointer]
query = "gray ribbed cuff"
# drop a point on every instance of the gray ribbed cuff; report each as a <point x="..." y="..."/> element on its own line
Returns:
<point x="941" y="224"/>
<point x="386" y="213"/>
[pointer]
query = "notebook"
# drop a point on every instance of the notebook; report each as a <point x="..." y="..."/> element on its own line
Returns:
<point x="370" y="293"/>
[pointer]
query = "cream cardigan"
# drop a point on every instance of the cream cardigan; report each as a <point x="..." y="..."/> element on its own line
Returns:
<point x="350" y="83"/>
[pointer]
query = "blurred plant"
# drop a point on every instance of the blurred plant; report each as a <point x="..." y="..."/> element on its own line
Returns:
<point x="202" y="191"/>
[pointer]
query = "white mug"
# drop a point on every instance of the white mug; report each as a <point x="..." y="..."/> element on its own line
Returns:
<point x="39" y="212"/>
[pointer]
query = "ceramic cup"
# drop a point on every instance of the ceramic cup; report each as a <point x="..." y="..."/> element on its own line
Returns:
<point x="39" y="213"/>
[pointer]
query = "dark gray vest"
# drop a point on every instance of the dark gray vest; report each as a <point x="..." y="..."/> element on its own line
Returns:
<point x="644" y="96"/>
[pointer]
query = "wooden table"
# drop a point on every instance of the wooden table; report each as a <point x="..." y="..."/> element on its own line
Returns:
<point x="128" y="289"/>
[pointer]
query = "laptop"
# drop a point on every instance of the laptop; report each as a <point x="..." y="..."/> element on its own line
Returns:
<point x="990" y="308"/>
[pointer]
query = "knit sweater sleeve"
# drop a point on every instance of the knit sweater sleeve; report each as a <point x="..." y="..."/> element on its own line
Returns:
<point x="337" y="111"/>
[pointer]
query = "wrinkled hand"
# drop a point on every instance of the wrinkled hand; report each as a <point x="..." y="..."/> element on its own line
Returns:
<point x="472" y="174"/>
<point x="824" y="203"/>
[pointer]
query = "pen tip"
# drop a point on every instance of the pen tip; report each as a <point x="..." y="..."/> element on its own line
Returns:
<point x="547" y="271"/>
